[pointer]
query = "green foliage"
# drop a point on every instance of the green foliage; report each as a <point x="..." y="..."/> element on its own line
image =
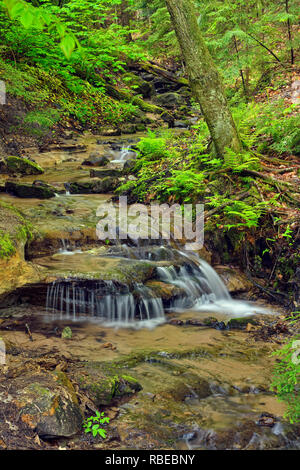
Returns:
<point x="287" y="375"/>
<point x="7" y="247"/>
<point x="268" y="127"/>
<point x="92" y="425"/>
<point x="153" y="148"/>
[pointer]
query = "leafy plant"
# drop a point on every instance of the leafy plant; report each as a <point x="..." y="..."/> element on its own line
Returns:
<point x="286" y="380"/>
<point x="92" y="425"/>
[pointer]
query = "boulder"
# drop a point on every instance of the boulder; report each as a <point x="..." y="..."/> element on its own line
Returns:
<point x="169" y="100"/>
<point x="22" y="166"/>
<point x="48" y="405"/>
<point x="90" y="186"/>
<point x="24" y="190"/>
<point x="113" y="172"/>
<point x="101" y="388"/>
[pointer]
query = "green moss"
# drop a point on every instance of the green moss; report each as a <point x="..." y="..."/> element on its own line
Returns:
<point x="13" y="229"/>
<point x="7" y="247"/>
<point x="23" y="166"/>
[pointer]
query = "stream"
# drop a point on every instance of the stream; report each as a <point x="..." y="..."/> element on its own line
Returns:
<point x="146" y="309"/>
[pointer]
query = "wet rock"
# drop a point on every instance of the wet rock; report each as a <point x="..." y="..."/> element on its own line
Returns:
<point x="103" y="389"/>
<point x="103" y="173"/>
<point x="23" y="190"/>
<point x="98" y="186"/>
<point x="176" y="322"/>
<point x="165" y="291"/>
<point x="48" y="405"/>
<point x="96" y="159"/>
<point x="192" y="387"/>
<point x="235" y="281"/>
<point x="241" y="323"/>
<point x="266" y="419"/>
<point x="22" y="166"/>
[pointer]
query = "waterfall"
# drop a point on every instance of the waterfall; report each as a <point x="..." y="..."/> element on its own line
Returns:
<point x="117" y="304"/>
<point x="106" y="301"/>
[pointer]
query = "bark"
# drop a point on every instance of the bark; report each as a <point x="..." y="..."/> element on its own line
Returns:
<point x="205" y="81"/>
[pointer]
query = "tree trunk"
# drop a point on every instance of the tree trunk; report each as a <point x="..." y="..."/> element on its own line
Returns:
<point x="205" y="81"/>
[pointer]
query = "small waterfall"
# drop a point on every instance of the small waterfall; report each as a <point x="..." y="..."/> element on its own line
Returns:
<point x="117" y="304"/>
<point x="201" y="284"/>
<point x="106" y="301"/>
<point x="123" y="154"/>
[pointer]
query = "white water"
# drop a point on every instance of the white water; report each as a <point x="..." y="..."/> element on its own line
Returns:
<point x="114" y="304"/>
<point x="123" y="155"/>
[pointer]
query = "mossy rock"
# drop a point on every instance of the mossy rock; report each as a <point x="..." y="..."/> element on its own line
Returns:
<point x="105" y="172"/>
<point x="23" y="190"/>
<point x="48" y="405"/>
<point x="103" y="389"/>
<point x="22" y="166"/>
<point x="241" y="323"/>
<point x="93" y="186"/>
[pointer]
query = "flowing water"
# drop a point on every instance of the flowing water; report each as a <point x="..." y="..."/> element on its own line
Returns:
<point x="202" y="388"/>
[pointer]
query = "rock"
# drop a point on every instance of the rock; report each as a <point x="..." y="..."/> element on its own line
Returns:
<point x="103" y="389"/>
<point x="182" y="124"/>
<point x="66" y="333"/>
<point x="96" y="159"/>
<point x="24" y="190"/>
<point x="113" y="172"/>
<point x="266" y="419"/>
<point x="129" y="165"/>
<point x="169" y="100"/>
<point x="48" y="405"/>
<point x="95" y="186"/>
<point x="110" y="132"/>
<point x="241" y="323"/>
<point x="165" y="291"/>
<point x="16" y="165"/>
<point x="128" y="129"/>
<point x="235" y="281"/>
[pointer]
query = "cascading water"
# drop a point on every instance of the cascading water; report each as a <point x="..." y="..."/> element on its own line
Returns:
<point x="118" y="304"/>
<point x="123" y="154"/>
<point x="107" y="301"/>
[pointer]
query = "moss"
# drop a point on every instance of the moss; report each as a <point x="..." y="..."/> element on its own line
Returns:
<point x="23" y="166"/>
<point x="7" y="247"/>
<point x="13" y="229"/>
<point x="241" y="323"/>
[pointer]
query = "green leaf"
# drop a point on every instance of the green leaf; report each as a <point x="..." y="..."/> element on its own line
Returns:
<point x="67" y="45"/>
<point x="27" y="19"/>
